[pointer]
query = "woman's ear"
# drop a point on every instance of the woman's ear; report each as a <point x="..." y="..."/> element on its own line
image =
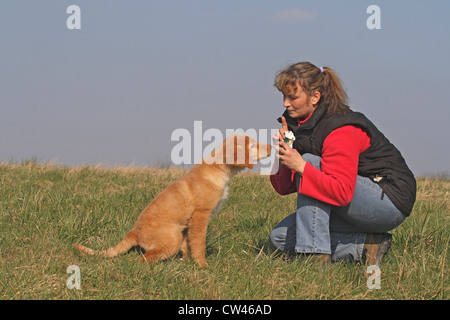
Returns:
<point x="315" y="97"/>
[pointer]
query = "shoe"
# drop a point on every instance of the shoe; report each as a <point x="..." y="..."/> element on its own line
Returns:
<point x="376" y="247"/>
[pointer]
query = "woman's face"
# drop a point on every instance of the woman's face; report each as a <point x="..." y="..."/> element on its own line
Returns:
<point x="298" y="104"/>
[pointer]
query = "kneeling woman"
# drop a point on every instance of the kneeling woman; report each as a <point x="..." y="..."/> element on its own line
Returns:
<point x="352" y="184"/>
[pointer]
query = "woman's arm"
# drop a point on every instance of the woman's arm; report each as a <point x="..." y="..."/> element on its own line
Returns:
<point x="335" y="182"/>
<point x="283" y="182"/>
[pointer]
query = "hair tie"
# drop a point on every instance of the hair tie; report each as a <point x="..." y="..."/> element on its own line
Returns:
<point x="321" y="69"/>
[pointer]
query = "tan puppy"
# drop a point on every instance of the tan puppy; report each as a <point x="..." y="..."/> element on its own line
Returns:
<point x="178" y="217"/>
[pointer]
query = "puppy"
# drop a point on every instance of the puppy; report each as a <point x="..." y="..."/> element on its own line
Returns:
<point x="178" y="217"/>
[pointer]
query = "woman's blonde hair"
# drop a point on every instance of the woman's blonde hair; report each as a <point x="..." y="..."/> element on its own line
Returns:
<point x="312" y="79"/>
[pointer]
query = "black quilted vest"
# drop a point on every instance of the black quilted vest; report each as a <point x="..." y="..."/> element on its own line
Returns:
<point x="381" y="162"/>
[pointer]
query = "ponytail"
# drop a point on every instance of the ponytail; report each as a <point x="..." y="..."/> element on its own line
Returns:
<point x="333" y="93"/>
<point x="312" y="79"/>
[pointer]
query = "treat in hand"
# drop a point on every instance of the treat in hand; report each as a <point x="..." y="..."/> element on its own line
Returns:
<point x="289" y="138"/>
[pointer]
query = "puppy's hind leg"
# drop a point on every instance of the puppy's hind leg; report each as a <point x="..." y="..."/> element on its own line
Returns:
<point x="165" y="243"/>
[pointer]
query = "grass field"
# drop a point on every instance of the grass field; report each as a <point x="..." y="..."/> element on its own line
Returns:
<point x="44" y="209"/>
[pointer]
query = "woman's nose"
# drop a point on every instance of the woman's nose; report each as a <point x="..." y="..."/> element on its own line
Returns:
<point x="286" y="102"/>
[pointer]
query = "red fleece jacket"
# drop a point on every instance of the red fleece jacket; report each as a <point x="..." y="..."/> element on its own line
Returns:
<point x="335" y="182"/>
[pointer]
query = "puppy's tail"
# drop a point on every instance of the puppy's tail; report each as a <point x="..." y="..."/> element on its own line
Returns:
<point x="126" y="244"/>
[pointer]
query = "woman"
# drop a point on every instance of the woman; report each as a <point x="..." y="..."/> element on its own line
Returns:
<point x="352" y="184"/>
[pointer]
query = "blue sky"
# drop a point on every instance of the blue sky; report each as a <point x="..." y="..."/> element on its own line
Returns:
<point x="115" y="90"/>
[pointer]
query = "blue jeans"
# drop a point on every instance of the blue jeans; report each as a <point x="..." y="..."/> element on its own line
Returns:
<point x="319" y="227"/>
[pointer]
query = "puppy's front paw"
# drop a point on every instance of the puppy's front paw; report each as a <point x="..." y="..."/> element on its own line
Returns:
<point x="201" y="262"/>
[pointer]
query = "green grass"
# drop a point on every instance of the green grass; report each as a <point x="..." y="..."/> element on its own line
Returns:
<point x="44" y="209"/>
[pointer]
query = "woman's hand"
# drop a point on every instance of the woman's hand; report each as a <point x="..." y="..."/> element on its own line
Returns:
<point x="287" y="156"/>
